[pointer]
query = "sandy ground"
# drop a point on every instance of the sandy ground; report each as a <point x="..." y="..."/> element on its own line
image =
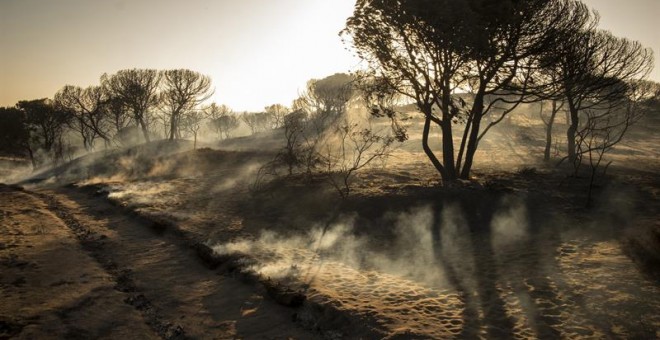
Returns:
<point x="74" y="266"/>
<point x="105" y="247"/>
<point x="50" y="286"/>
<point x="563" y="275"/>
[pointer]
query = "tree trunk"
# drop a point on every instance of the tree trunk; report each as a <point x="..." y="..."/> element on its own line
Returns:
<point x="461" y="151"/>
<point x="548" y="131"/>
<point x="448" y="149"/>
<point x="429" y="153"/>
<point x="447" y="133"/>
<point x="32" y="160"/>
<point x="172" y="126"/>
<point x="145" y="132"/>
<point x="473" y="142"/>
<point x="571" y="131"/>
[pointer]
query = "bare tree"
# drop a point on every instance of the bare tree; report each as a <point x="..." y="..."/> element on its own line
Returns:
<point x="326" y="100"/>
<point x="118" y="113"/>
<point x="595" y="69"/>
<point x="45" y="124"/>
<point x="15" y="139"/>
<point x="226" y="125"/>
<point x="256" y="121"/>
<point x="191" y="122"/>
<point x="325" y="140"/>
<point x="644" y="98"/>
<point x="549" y="124"/>
<point x="214" y="111"/>
<point x="137" y="90"/>
<point x="221" y="120"/>
<point x="294" y="127"/>
<point x="352" y="147"/>
<point x="89" y="110"/>
<point x="323" y="105"/>
<point x="183" y="91"/>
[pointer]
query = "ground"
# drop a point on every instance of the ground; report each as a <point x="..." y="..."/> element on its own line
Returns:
<point x="161" y="241"/>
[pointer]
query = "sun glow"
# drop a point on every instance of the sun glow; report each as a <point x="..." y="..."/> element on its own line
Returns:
<point x="257" y="52"/>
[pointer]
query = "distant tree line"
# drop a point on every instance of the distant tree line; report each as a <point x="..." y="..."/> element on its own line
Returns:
<point x="125" y="107"/>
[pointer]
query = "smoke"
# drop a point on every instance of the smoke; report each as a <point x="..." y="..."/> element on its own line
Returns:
<point x="12" y="169"/>
<point x="143" y="193"/>
<point x="509" y="227"/>
<point x="426" y="245"/>
<point x="245" y="173"/>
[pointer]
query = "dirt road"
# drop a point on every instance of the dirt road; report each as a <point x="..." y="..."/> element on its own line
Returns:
<point x="75" y="266"/>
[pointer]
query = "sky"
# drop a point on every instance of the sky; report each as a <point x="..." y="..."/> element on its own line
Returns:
<point x="257" y="52"/>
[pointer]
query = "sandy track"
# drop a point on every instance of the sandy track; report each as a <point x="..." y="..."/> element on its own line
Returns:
<point x="50" y="286"/>
<point x="119" y="279"/>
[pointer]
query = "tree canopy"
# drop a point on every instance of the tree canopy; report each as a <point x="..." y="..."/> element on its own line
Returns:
<point x="428" y="51"/>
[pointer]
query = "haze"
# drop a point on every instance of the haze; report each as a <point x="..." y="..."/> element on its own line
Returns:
<point x="211" y="169"/>
<point x="257" y="52"/>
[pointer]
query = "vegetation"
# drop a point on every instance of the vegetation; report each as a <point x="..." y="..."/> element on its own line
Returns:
<point x="498" y="53"/>
<point x="466" y="66"/>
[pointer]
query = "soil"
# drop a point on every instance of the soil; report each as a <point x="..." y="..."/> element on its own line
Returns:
<point x="74" y="266"/>
<point x="161" y="241"/>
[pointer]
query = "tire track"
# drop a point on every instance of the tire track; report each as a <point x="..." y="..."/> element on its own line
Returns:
<point x="94" y="242"/>
<point x="166" y="278"/>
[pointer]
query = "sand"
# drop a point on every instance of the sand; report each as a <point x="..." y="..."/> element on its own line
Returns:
<point x="175" y="244"/>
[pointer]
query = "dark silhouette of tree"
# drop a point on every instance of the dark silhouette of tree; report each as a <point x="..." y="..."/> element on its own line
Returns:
<point x="191" y="122"/>
<point x="118" y="114"/>
<point x="294" y="127"/>
<point x="183" y="90"/>
<point x="45" y="124"/>
<point x="428" y="50"/>
<point x="644" y="98"/>
<point x="594" y="70"/>
<point x="89" y="111"/>
<point x="549" y="122"/>
<point x="15" y="134"/>
<point x="137" y="90"/>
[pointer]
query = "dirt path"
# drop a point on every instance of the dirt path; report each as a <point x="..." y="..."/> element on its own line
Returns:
<point x="74" y="266"/>
<point x="50" y="286"/>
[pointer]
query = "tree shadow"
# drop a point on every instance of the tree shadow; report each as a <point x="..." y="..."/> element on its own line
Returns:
<point x="483" y="274"/>
<point x="471" y="269"/>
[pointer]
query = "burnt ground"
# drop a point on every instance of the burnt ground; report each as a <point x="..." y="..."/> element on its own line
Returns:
<point x="74" y="266"/>
<point x="179" y="245"/>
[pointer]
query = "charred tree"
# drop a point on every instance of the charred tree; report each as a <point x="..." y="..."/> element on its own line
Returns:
<point x="15" y="134"/>
<point x="136" y="89"/>
<point x="549" y="124"/>
<point x="89" y="112"/>
<point x="428" y="51"/>
<point x="183" y="91"/>
<point x="594" y="70"/>
<point x="221" y="120"/>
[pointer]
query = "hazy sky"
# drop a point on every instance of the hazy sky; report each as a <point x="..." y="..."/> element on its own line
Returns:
<point x="257" y="52"/>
